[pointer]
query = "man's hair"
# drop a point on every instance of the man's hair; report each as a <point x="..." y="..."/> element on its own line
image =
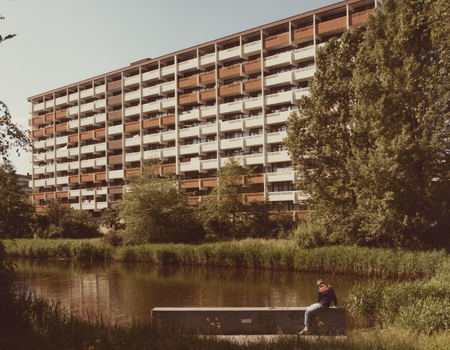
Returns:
<point x="320" y="281"/>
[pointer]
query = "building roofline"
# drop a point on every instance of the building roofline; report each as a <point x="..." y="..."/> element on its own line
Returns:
<point x="206" y="44"/>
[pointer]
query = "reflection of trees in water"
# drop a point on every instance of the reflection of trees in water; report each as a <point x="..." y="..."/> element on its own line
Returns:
<point x="117" y="290"/>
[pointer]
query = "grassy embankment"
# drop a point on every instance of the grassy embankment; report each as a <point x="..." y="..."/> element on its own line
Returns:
<point x="410" y="310"/>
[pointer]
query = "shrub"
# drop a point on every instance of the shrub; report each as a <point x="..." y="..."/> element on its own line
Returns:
<point x="309" y="235"/>
<point x="113" y="238"/>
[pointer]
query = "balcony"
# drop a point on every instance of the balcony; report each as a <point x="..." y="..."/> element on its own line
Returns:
<point x="303" y="33"/>
<point x="73" y="138"/>
<point x="276" y="137"/>
<point x="209" y="182"/>
<point x="151" y="91"/>
<point x="39" y="132"/>
<point x="208" y="94"/>
<point x="49" y="129"/>
<point x="252" y="85"/>
<point x="100" y="176"/>
<point x="276" y="40"/>
<point x="132" y="172"/>
<point x="134" y="126"/>
<point x="116" y="115"/>
<point x="208" y="59"/>
<point x="252" y="66"/>
<point x="38" y="120"/>
<point x="62" y="194"/>
<point x="115" y="130"/>
<point x="167" y="87"/>
<point x="87" y="178"/>
<point x="99" y="133"/>
<point x="231" y="125"/>
<point x="281" y="176"/>
<point x="114" y="86"/>
<point x="188" y="98"/>
<point x="208" y="147"/>
<point x="188" y="82"/>
<point x="73" y="179"/>
<point x="115" y="174"/>
<point x="189" y="64"/>
<point x="303" y="53"/>
<point x="253" y="122"/>
<point x="168" y="70"/>
<point x="133" y="157"/>
<point x="229" y="72"/>
<point x="256" y="140"/>
<point x="276" y="157"/>
<point x="112" y="145"/>
<point x="167" y="168"/>
<point x="168" y="119"/>
<point x="233" y="53"/>
<point x="61" y="127"/>
<point x="189" y="183"/>
<point x="60" y="114"/>
<point x="112" y="160"/>
<point x="208" y="77"/>
<point x="87" y="135"/>
<point x="230" y="89"/>
<point x="333" y="25"/>
<point x="190" y="149"/>
<point x="255" y="197"/>
<point x="360" y="17"/>
<point x="114" y="101"/>
<point x="132" y="111"/>
<point x="132" y="80"/>
<point x="150" y="123"/>
<point x="253" y="47"/>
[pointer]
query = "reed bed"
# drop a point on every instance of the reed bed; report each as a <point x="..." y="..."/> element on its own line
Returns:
<point x="250" y="253"/>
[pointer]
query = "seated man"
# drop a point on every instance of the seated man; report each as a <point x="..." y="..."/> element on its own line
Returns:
<point x="324" y="299"/>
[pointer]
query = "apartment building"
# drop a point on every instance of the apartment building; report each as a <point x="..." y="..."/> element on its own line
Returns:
<point x="193" y="109"/>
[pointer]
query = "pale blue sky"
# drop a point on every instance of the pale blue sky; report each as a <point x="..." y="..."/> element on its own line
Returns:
<point x="60" y="42"/>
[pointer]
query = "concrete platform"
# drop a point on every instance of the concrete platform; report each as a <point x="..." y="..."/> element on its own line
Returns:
<point x="249" y="320"/>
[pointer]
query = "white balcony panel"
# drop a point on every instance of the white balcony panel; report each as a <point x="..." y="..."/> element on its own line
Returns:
<point x="74" y="151"/>
<point x="278" y="117"/>
<point x="231" y="125"/>
<point x="208" y="164"/>
<point x="74" y="193"/>
<point x="279" y="79"/>
<point x="86" y="93"/>
<point x="87" y="205"/>
<point x="39" y="144"/>
<point x="277" y="157"/>
<point x="168" y="70"/>
<point x="254" y="159"/>
<point x="62" y="140"/>
<point x="189" y="132"/>
<point x="99" y="104"/>
<point x="256" y="140"/>
<point x="303" y="53"/>
<point x="87" y="121"/>
<point x="72" y="125"/>
<point x="100" y="118"/>
<point x="87" y="107"/>
<point x="155" y="153"/>
<point x="62" y="167"/>
<point x="72" y="111"/>
<point x="114" y="130"/>
<point x="62" y="153"/>
<point x="132" y="111"/>
<point x="101" y="205"/>
<point x="151" y="91"/>
<point x="133" y="141"/>
<point x="276" y="137"/>
<point x="299" y="93"/>
<point x="193" y="165"/>
<point x="153" y="138"/>
<point x="303" y="73"/>
<point x="133" y="157"/>
<point x="49" y="169"/>
<point x="282" y="97"/>
<point x="189" y="149"/>
<point x="62" y="100"/>
<point x="168" y="103"/>
<point x="49" y="156"/>
<point x="231" y="143"/>
<point x="253" y="103"/>
<point x="233" y="53"/>
<point x="99" y="162"/>
<point x="132" y="96"/>
<point x="300" y="196"/>
<point x="62" y="180"/>
<point x="88" y="163"/>
<point x="281" y="176"/>
<point x="75" y="206"/>
<point x="101" y="191"/>
<point x="208" y="59"/>
<point x="253" y="122"/>
<point x="73" y="97"/>
<point x="99" y="147"/>
<point x="39" y="183"/>
<point x="189" y="64"/>
<point x="50" y="182"/>
<point x="38" y="107"/>
<point x="132" y="80"/>
<point x="208" y="129"/>
<point x="281" y="196"/>
<point x="208" y="147"/>
<point x="189" y="115"/>
<point x="281" y="59"/>
<point x="100" y="89"/>
<point x="38" y="170"/>
<point x="87" y="149"/>
<point x="49" y="104"/>
<point x="49" y="142"/>
<point x="169" y="152"/>
<point x="39" y="157"/>
<point x="231" y="107"/>
<point x="151" y="107"/>
<point x="116" y="174"/>
<point x="167" y="87"/>
<point x="152" y="75"/>
<point x="253" y="47"/>
<point x="87" y="192"/>
<point x="208" y="111"/>
<point x="168" y="136"/>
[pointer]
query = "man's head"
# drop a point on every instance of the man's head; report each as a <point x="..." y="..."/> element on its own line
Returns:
<point x="320" y="283"/>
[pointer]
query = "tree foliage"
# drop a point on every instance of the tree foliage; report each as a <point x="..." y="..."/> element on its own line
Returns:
<point x="15" y="208"/>
<point x="155" y="209"/>
<point x="59" y="220"/>
<point x="371" y="143"/>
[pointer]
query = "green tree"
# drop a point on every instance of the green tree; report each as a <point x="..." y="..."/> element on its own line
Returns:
<point x="59" y="220"/>
<point x="155" y="209"/>
<point x="15" y="209"/>
<point x="371" y="142"/>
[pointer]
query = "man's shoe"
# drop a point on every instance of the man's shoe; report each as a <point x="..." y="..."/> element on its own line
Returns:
<point x="304" y="332"/>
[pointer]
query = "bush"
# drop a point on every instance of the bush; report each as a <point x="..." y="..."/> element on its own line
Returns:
<point x="113" y="238"/>
<point x="309" y="235"/>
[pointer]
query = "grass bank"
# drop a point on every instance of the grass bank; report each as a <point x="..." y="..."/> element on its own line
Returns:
<point x="267" y="254"/>
<point x="48" y="326"/>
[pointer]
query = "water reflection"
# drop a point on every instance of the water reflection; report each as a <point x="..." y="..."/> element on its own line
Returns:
<point x="120" y="291"/>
